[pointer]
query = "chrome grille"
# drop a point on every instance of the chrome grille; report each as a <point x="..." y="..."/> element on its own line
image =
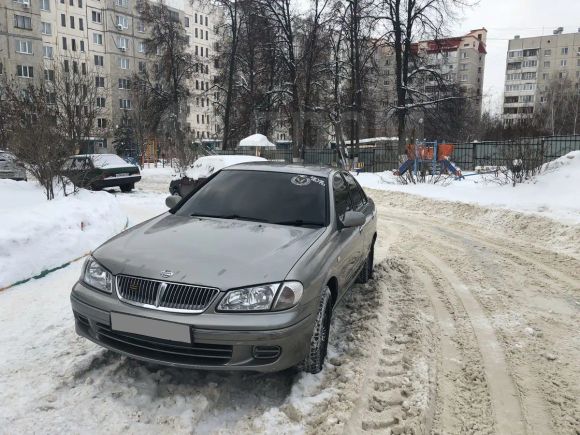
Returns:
<point x="165" y="296"/>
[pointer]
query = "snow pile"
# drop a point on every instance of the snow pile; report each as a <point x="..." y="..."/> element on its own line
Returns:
<point x="256" y="140"/>
<point x="553" y="193"/>
<point x="206" y="166"/>
<point x="36" y="234"/>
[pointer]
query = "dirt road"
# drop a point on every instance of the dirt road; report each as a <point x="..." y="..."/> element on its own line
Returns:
<point x="470" y="325"/>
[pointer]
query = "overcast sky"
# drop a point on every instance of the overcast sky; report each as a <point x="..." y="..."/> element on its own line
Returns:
<point x="505" y="18"/>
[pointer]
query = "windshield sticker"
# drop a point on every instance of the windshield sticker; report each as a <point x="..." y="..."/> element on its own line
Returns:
<point x="305" y="180"/>
<point x="300" y="180"/>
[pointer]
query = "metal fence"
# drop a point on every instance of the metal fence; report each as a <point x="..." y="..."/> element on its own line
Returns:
<point x="467" y="156"/>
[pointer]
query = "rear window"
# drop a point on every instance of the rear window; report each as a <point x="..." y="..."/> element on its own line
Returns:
<point x="104" y="161"/>
<point x="274" y="197"/>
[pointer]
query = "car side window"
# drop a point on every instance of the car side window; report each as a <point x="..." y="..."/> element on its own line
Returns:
<point x="342" y="201"/>
<point x="359" y="198"/>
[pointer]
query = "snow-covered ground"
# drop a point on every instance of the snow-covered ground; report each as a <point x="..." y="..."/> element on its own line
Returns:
<point x="36" y="234"/>
<point x="469" y="326"/>
<point x="555" y="193"/>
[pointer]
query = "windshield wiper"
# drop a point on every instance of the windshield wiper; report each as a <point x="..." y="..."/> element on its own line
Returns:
<point x="300" y="223"/>
<point x="231" y="216"/>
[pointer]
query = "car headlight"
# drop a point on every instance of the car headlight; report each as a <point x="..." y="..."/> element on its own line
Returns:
<point x="97" y="276"/>
<point x="276" y="296"/>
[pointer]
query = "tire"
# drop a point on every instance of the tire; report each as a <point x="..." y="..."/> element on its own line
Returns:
<point x="314" y="361"/>
<point x="366" y="272"/>
<point x="127" y="188"/>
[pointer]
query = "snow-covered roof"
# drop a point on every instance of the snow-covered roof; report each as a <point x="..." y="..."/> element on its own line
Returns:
<point x="205" y="166"/>
<point x="107" y="160"/>
<point x="374" y="139"/>
<point x="256" y="140"/>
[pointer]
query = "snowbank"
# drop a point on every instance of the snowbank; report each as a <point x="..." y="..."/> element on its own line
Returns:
<point x="553" y="193"/>
<point x="36" y="234"/>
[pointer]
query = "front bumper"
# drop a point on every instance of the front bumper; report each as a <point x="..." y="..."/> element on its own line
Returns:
<point x="257" y="344"/>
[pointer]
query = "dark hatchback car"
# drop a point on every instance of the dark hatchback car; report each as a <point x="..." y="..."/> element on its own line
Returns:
<point x="100" y="171"/>
<point x="242" y="274"/>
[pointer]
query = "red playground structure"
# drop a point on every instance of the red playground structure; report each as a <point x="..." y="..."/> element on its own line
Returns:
<point x="420" y="157"/>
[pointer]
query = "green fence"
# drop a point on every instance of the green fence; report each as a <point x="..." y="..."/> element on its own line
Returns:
<point x="466" y="156"/>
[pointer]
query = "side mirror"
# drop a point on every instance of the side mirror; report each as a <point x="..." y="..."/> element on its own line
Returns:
<point x="353" y="219"/>
<point x="172" y="200"/>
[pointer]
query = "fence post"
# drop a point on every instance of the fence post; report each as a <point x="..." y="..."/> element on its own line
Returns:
<point x="474" y="155"/>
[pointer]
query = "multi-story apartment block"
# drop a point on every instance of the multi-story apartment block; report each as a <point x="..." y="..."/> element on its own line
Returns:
<point x="104" y="38"/>
<point x="532" y="64"/>
<point x="459" y="60"/>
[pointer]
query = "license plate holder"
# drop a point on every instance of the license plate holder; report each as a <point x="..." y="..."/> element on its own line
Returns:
<point x="124" y="174"/>
<point x="151" y="327"/>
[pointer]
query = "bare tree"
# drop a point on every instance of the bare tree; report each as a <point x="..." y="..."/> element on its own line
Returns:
<point x="406" y="21"/>
<point x="37" y="139"/>
<point x="167" y="87"/>
<point x="560" y="109"/>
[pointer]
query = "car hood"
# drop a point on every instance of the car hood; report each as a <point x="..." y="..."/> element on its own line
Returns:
<point x="205" y="251"/>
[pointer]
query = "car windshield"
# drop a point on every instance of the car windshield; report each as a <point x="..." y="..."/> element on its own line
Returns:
<point x="273" y="197"/>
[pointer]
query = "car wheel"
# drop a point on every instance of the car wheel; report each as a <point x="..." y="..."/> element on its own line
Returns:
<point x="366" y="272"/>
<point x="127" y="187"/>
<point x="314" y="361"/>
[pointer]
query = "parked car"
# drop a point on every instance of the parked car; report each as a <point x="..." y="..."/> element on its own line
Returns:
<point x="203" y="168"/>
<point x="9" y="167"/>
<point x="242" y="274"/>
<point x="98" y="171"/>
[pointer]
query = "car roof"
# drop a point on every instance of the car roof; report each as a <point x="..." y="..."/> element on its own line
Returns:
<point x="291" y="168"/>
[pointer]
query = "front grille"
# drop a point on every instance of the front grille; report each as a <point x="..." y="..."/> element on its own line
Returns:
<point x="163" y="350"/>
<point x="165" y="296"/>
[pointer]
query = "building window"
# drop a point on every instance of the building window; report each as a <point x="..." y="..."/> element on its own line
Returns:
<point x="63" y="20"/>
<point x="47" y="52"/>
<point x="49" y="75"/>
<point x="124" y="62"/>
<point x="96" y="17"/>
<point x="82" y="46"/>
<point x="101" y="102"/>
<point x="81" y="24"/>
<point x="141" y="47"/>
<point x="206" y="20"/>
<point x="65" y="65"/>
<point x="99" y="82"/>
<point x="206" y="35"/>
<point x="564" y="50"/>
<point x="122" y="22"/>
<point x="24" y="71"/>
<point x="142" y="67"/>
<point x="186" y="21"/>
<point x="73" y="43"/>
<point x="529" y="63"/>
<point x="102" y="122"/>
<point x="99" y="60"/>
<point x="84" y="68"/>
<point x="546" y="64"/>
<point x="124" y="84"/>
<point x="72" y="22"/>
<point x="45" y="5"/>
<point x="21" y="22"/>
<point x="140" y="26"/>
<point x="64" y="46"/>
<point x="46" y="28"/>
<point x="123" y="43"/>
<point x="124" y="104"/>
<point x="80" y="3"/>
<point x="463" y="77"/>
<point x="123" y="3"/>
<point x="195" y="18"/>
<point x="548" y="52"/>
<point x="98" y="38"/>
<point x="563" y="62"/>
<point x="23" y="46"/>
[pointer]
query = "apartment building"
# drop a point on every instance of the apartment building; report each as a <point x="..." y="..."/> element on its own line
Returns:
<point x="459" y="60"/>
<point x="532" y="64"/>
<point x="104" y="38"/>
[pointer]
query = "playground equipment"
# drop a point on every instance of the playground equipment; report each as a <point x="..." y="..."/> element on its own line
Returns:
<point x="429" y="156"/>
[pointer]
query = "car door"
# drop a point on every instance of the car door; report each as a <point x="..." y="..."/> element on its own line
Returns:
<point x="348" y="239"/>
<point x="361" y="203"/>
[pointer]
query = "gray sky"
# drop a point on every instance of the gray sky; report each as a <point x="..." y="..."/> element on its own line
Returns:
<point x="505" y="18"/>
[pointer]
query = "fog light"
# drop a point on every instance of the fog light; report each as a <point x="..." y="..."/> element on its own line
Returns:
<point x="266" y="352"/>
